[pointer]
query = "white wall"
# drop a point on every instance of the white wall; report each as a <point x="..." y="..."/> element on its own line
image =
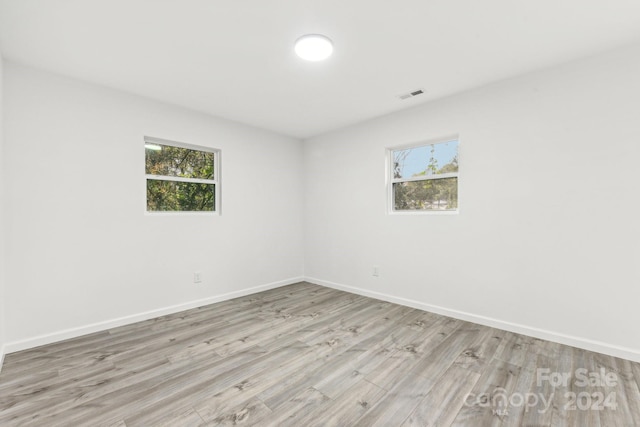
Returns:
<point x="2" y="208"/>
<point x="81" y="249"/>
<point x="546" y="242"/>
<point x="548" y="236"/>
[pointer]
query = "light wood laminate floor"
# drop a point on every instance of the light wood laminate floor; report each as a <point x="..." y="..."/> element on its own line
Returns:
<point x="307" y="355"/>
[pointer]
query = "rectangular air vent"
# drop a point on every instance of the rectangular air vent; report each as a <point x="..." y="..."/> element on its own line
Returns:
<point x="411" y="94"/>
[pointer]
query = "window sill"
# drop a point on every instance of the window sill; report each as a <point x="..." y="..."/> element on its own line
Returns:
<point x="181" y="213"/>
<point x="411" y="213"/>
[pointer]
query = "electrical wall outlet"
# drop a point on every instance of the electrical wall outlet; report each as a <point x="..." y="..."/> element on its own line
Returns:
<point x="197" y="277"/>
<point x="375" y="272"/>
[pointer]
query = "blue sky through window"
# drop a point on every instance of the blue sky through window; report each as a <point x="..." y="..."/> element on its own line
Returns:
<point x="416" y="159"/>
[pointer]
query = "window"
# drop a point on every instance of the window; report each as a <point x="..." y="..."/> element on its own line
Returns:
<point x="424" y="177"/>
<point x="181" y="177"/>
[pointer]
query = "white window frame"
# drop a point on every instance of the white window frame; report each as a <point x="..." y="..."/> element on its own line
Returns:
<point x="215" y="181"/>
<point x="391" y="180"/>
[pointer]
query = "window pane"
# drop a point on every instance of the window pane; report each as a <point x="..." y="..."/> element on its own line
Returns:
<point x="176" y="161"/>
<point x="431" y="194"/>
<point x="426" y="160"/>
<point x="179" y="196"/>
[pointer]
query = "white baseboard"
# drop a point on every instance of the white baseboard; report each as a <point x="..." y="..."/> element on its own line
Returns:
<point x="584" y="343"/>
<point x="14" y="346"/>
<point x="1" y="356"/>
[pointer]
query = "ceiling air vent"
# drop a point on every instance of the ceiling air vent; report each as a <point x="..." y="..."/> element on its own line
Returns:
<point x="411" y="94"/>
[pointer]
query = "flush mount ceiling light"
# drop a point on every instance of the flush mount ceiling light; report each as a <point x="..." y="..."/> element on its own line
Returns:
<point x="314" y="47"/>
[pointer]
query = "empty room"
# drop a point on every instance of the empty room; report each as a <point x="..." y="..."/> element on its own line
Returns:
<point x="319" y="213"/>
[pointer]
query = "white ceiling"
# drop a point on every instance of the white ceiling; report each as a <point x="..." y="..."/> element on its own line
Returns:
<point x="234" y="58"/>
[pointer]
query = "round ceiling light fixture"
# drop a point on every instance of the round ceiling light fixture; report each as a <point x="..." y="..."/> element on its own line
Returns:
<point x="314" y="47"/>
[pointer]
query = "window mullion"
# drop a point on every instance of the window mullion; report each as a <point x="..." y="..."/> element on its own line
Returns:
<point x="181" y="179"/>
<point x="425" y="177"/>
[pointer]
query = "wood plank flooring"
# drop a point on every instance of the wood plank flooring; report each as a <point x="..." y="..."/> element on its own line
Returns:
<point x="308" y="355"/>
